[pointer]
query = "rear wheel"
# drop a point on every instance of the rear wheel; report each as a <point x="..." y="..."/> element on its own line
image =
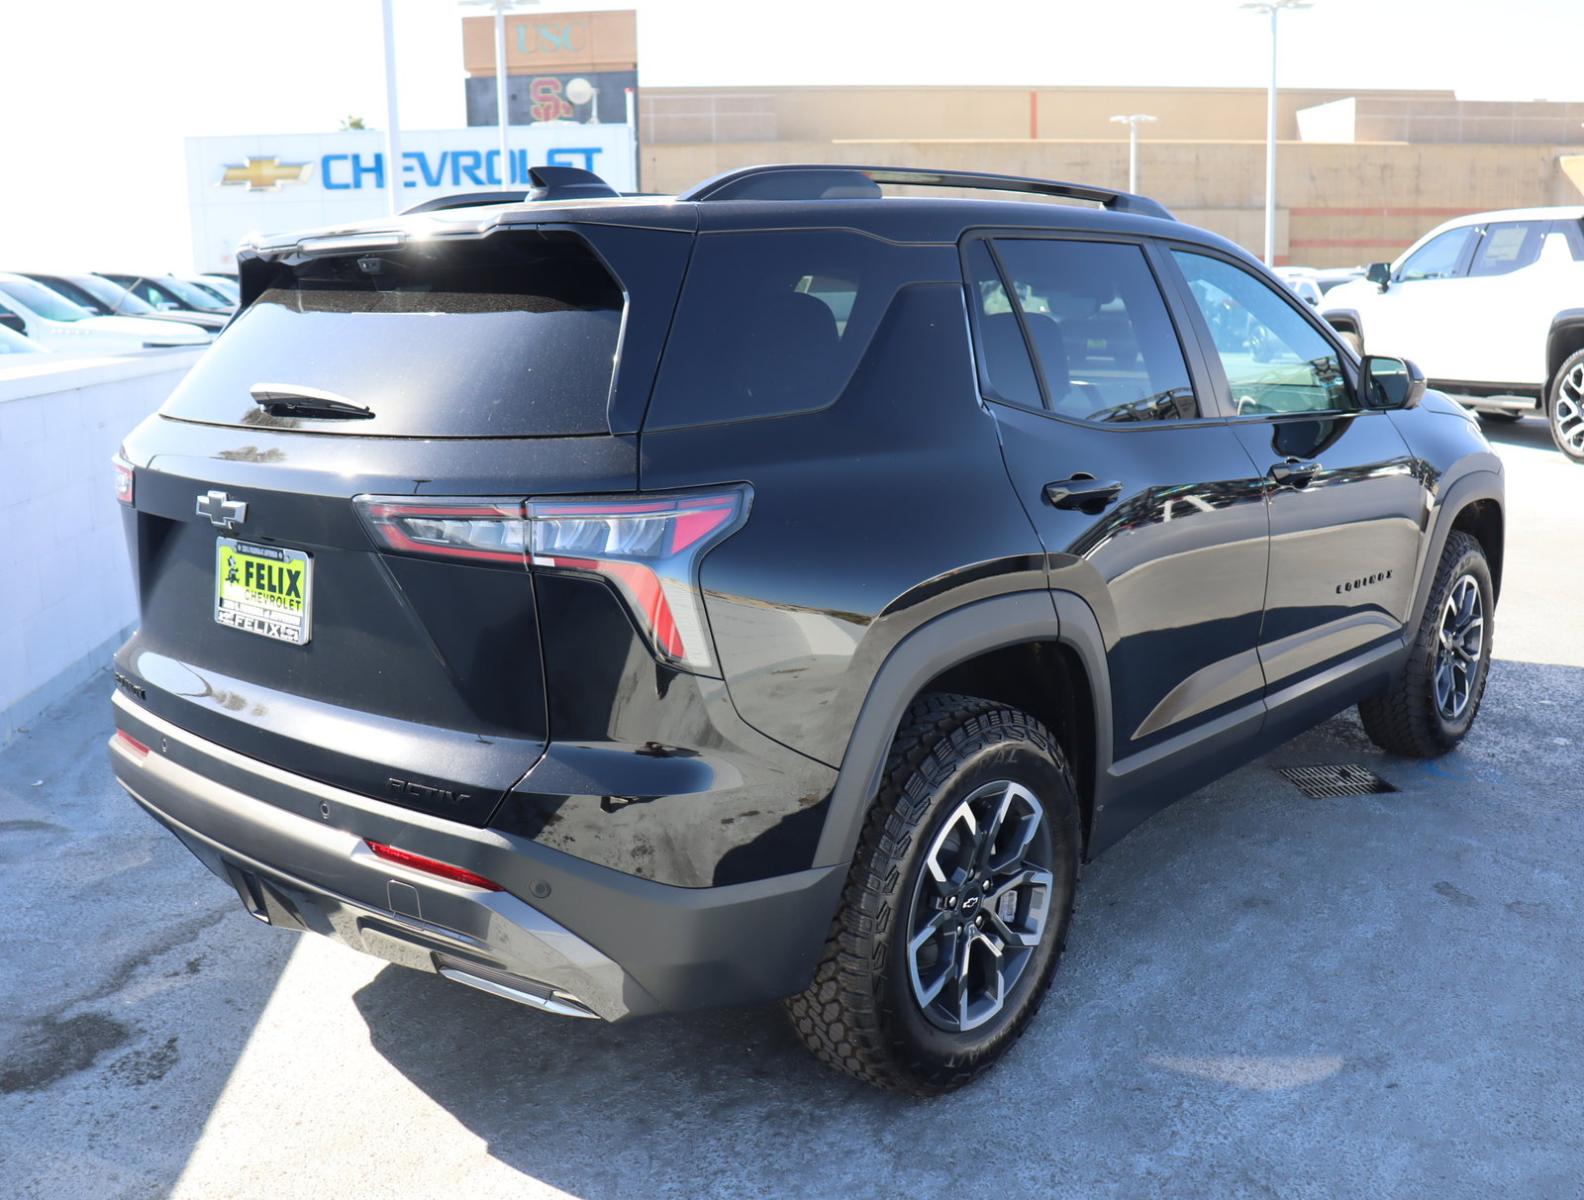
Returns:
<point x="1431" y="703"/>
<point x="1565" y="407"/>
<point x="957" y="905"/>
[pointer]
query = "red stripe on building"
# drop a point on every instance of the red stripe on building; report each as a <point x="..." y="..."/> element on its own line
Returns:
<point x="1314" y="242"/>
<point x="1380" y="212"/>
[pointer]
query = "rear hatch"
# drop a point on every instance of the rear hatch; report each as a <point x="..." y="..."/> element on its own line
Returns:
<point x="270" y="622"/>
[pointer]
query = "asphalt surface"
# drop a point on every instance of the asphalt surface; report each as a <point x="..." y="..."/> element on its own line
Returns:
<point x="1264" y="995"/>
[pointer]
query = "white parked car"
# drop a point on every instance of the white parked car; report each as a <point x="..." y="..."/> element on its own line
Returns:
<point x="1303" y="283"/>
<point x="54" y="321"/>
<point x="1491" y="306"/>
<point x="13" y="346"/>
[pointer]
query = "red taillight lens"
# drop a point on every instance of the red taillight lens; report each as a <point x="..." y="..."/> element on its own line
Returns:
<point x="479" y="530"/>
<point x="123" y="479"/>
<point x="650" y="550"/>
<point x="131" y="743"/>
<point x="648" y="547"/>
<point x="433" y="866"/>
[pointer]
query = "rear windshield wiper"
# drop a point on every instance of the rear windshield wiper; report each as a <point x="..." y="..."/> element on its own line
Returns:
<point x="294" y="400"/>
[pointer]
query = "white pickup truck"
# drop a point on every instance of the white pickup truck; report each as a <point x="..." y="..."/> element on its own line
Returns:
<point x="1491" y="306"/>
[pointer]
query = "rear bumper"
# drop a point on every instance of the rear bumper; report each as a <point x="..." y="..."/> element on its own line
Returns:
<point x="592" y="942"/>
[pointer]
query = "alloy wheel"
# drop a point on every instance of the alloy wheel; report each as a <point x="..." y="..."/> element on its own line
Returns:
<point x="1567" y="413"/>
<point x="980" y="906"/>
<point x="1462" y="641"/>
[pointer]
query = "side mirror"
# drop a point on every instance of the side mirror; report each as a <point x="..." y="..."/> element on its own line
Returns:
<point x="1379" y="274"/>
<point x="1390" y="382"/>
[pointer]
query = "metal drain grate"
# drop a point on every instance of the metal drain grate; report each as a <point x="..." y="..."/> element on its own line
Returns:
<point x="1335" y="779"/>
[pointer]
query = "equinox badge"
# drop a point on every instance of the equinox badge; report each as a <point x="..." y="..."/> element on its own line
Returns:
<point x="222" y="511"/>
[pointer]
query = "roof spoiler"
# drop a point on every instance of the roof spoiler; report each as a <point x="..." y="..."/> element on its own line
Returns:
<point x="799" y="181"/>
<point x="549" y="183"/>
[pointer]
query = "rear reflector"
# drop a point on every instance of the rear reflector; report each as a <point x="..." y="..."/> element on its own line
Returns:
<point x="433" y="866"/>
<point x="131" y="743"/>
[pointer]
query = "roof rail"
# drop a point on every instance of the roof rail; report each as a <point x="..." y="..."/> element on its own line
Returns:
<point x="800" y="181"/>
<point x="549" y="183"/>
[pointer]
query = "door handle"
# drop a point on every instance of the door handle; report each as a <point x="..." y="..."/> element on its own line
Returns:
<point x="1083" y="491"/>
<point x="1295" y="471"/>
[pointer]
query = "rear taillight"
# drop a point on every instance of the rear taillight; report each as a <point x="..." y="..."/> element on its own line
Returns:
<point x="649" y="548"/>
<point x="474" y="529"/>
<point x="434" y="866"/>
<point x="123" y="479"/>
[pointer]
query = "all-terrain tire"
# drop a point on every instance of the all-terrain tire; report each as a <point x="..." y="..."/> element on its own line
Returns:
<point x="1405" y="717"/>
<point x="860" y="1014"/>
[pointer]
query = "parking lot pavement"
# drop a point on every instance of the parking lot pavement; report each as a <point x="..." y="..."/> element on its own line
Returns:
<point x="1264" y="995"/>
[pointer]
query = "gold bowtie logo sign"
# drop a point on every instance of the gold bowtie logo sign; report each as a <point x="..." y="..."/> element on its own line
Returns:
<point x="263" y="174"/>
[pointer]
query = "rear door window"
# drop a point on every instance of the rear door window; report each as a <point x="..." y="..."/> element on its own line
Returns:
<point x="1507" y="246"/>
<point x="1097" y="324"/>
<point x="511" y="336"/>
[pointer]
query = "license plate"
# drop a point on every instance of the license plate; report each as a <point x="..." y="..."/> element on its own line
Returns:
<point x="266" y="590"/>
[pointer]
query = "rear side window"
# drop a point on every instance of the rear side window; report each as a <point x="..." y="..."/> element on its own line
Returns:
<point x="509" y="336"/>
<point x="1508" y="246"/>
<point x="772" y="323"/>
<point x="1098" y="327"/>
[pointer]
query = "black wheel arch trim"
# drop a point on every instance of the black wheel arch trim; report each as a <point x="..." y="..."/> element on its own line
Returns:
<point x="1567" y="326"/>
<point x="946" y="641"/>
<point x="1479" y="484"/>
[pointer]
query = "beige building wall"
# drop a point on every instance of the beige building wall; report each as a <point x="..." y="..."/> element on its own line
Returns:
<point x="1419" y="158"/>
<point x="1339" y="204"/>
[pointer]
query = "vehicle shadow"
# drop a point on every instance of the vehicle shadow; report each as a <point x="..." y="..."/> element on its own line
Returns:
<point x="1252" y="975"/>
<point x="1531" y="432"/>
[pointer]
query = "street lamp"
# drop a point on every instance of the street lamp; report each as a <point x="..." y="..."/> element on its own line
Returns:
<point x="500" y="8"/>
<point x="1133" y="121"/>
<point x="1274" y="8"/>
<point x="393" y="158"/>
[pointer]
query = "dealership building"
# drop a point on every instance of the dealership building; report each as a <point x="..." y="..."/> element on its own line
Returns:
<point x="1360" y="174"/>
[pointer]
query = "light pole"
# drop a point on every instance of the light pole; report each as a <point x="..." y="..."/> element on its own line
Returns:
<point x="393" y="159"/>
<point x="1274" y="8"/>
<point x="500" y="8"/>
<point x="1133" y="121"/>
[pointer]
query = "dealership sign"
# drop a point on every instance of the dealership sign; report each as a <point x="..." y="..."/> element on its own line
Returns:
<point x="241" y="187"/>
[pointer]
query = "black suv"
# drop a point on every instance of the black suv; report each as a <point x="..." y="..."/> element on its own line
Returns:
<point x="623" y="604"/>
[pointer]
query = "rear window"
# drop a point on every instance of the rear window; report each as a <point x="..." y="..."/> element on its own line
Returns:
<point x="772" y="323"/>
<point x="511" y="336"/>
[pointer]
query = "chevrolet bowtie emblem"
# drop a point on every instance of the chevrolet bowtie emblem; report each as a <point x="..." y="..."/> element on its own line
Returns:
<point x="222" y="511"/>
<point x="263" y="174"/>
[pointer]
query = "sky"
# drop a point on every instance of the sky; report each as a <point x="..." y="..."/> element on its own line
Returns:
<point x="100" y="94"/>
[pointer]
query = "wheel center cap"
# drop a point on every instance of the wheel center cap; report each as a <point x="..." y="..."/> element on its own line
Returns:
<point x="970" y="901"/>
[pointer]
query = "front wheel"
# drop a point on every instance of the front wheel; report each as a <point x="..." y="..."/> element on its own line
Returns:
<point x="957" y="904"/>
<point x="1431" y="702"/>
<point x="1565" y="407"/>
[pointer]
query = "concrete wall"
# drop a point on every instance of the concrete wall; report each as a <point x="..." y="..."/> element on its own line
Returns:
<point x="66" y="596"/>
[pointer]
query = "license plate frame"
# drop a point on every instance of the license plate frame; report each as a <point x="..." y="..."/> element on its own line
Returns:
<point x="272" y="609"/>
